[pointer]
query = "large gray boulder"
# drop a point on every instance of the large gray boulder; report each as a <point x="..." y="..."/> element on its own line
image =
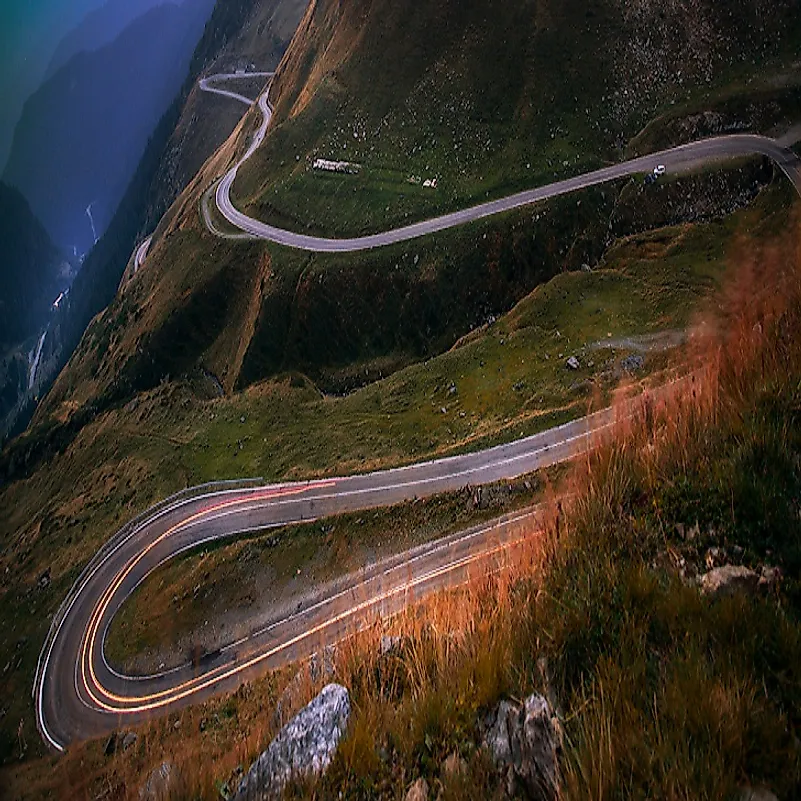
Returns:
<point x="304" y="747"/>
<point x="159" y="784"/>
<point x="728" y="580"/>
<point x="526" y="742"/>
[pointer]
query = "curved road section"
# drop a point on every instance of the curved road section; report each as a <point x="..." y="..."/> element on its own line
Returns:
<point x="77" y="693"/>
<point x="678" y="158"/>
<point x="207" y="84"/>
<point x="141" y="253"/>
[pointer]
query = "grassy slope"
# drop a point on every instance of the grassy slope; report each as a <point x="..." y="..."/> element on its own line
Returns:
<point x="246" y="312"/>
<point x="128" y="458"/>
<point x="449" y="91"/>
<point x="491" y="100"/>
<point x="664" y="693"/>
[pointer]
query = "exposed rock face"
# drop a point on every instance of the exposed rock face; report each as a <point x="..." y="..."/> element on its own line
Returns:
<point x="320" y="667"/>
<point x="526" y="740"/>
<point x="728" y="580"/>
<point x="305" y="746"/>
<point x="159" y="784"/>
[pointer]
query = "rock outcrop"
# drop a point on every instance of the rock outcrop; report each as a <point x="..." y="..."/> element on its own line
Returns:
<point x="728" y="580"/>
<point x="526" y="741"/>
<point x="159" y="784"/>
<point x="304" y="747"/>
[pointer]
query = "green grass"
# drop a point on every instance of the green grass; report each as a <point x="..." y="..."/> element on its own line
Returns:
<point x="124" y="460"/>
<point x="759" y="103"/>
<point x="510" y="378"/>
<point x="487" y="121"/>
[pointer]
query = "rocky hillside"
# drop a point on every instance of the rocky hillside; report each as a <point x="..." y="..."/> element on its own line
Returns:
<point x="486" y="99"/>
<point x="259" y="35"/>
<point x="106" y="104"/>
<point x="33" y="273"/>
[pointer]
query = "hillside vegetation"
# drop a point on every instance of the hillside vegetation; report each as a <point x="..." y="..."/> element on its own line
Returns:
<point x="408" y="95"/>
<point x="661" y="691"/>
<point x="490" y="99"/>
<point x="222" y="359"/>
<point x="510" y="380"/>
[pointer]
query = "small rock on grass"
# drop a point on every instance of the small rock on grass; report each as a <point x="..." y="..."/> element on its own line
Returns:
<point x="390" y="645"/>
<point x="728" y="580"/>
<point x="304" y="747"/>
<point x="159" y="783"/>
<point x="526" y="741"/>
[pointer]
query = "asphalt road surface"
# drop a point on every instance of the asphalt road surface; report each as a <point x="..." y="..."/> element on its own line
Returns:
<point x="684" y="157"/>
<point x="78" y="695"/>
<point x="207" y="84"/>
<point x="141" y="253"/>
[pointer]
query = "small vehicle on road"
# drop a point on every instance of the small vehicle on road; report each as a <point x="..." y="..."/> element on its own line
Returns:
<point x="660" y="170"/>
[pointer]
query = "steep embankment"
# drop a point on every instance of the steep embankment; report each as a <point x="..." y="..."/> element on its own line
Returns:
<point x="107" y="103"/>
<point x="484" y="99"/>
<point x="437" y="91"/>
<point x="32" y="265"/>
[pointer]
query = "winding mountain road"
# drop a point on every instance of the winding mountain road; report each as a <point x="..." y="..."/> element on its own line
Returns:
<point x="141" y="253"/>
<point x="675" y="159"/>
<point x="207" y="84"/>
<point x="79" y="695"/>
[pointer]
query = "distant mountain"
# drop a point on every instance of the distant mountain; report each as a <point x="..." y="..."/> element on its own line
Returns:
<point x="256" y="31"/>
<point x="31" y="275"/>
<point x="83" y="132"/>
<point x="99" y="28"/>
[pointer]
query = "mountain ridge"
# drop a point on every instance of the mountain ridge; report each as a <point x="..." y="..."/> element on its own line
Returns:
<point x="107" y="103"/>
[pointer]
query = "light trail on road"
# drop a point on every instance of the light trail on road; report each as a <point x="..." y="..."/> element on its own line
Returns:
<point x="79" y="696"/>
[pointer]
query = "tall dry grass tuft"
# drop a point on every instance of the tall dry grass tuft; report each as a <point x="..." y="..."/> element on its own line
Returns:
<point x="675" y="697"/>
<point x="664" y="694"/>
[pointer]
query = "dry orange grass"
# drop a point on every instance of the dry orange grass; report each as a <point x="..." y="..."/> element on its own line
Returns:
<point x="458" y="652"/>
